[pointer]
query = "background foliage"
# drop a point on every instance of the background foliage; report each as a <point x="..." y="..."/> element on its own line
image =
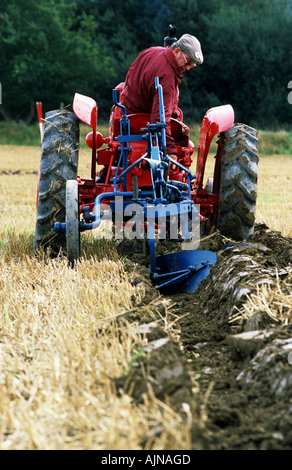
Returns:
<point x="50" y="49"/>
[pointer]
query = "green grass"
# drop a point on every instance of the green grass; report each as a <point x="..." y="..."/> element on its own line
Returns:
<point x="12" y="133"/>
<point x="270" y="142"/>
<point x="270" y="197"/>
<point x="275" y="142"/>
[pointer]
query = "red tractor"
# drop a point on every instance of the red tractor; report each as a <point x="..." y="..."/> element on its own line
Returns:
<point x="139" y="182"/>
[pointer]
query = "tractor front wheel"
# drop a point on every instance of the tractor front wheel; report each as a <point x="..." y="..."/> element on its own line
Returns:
<point x="238" y="182"/>
<point x="72" y="221"/>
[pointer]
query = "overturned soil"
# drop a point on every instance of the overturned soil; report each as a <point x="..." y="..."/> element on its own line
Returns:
<point x="233" y="372"/>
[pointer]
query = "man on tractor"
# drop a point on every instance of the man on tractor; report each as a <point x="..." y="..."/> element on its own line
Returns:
<point x="168" y="63"/>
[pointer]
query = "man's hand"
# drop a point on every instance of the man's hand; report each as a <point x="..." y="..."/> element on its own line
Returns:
<point x="173" y="156"/>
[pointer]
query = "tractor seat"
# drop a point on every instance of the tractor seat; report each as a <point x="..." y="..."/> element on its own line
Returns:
<point x="138" y="123"/>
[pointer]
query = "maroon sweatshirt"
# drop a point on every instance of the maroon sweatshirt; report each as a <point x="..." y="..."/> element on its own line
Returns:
<point x="140" y="95"/>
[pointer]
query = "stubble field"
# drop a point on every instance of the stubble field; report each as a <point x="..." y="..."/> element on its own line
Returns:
<point x="71" y="338"/>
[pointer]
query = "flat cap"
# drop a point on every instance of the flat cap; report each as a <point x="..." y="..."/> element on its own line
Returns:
<point x="192" y="47"/>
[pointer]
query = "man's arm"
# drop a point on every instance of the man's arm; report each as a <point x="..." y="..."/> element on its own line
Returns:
<point x="169" y="101"/>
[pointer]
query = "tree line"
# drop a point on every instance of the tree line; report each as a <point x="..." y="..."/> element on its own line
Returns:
<point x="50" y="49"/>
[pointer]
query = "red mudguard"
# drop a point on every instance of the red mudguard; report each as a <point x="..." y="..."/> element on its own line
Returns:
<point x="216" y="120"/>
<point x="85" y="109"/>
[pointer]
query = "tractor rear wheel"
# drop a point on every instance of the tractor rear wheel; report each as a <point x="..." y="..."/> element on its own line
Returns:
<point x="238" y="182"/>
<point x="59" y="162"/>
